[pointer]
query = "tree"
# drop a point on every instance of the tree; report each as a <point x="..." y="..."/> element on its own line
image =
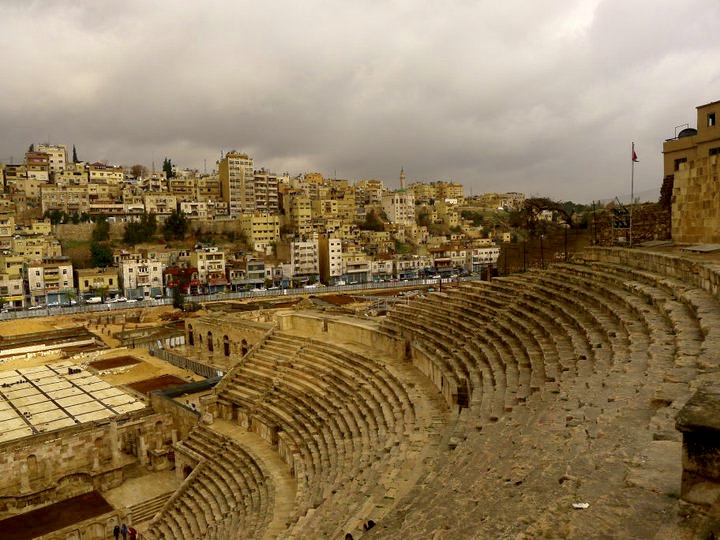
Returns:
<point x="75" y="158"/>
<point x="140" y="231"/>
<point x="373" y="222"/>
<point x="101" y="232"/>
<point x="138" y="171"/>
<point x="176" y="226"/>
<point x="178" y="297"/>
<point x="168" y="168"/>
<point x="101" y="255"/>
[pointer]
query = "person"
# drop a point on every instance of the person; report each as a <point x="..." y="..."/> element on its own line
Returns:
<point x="116" y="532"/>
<point x="369" y="525"/>
<point x="133" y="533"/>
<point x="348" y="536"/>
<point x="124" y="531"/>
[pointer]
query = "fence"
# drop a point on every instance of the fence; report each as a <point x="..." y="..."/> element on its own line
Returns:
<point x="185" y="363"/>
<point x="218" y="297"/>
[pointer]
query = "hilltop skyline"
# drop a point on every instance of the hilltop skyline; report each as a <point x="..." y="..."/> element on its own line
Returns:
<point x="538" y="99"/>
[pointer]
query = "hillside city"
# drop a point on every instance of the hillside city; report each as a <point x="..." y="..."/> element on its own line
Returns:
<point x="73" y="231"/>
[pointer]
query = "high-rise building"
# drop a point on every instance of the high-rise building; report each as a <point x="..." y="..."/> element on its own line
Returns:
<point x="57" y="156"/>
<point x="236" y="182"/>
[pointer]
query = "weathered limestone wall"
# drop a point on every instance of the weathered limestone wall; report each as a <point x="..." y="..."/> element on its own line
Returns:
<point x="184" y="418"/>
<point x="699" y="274"/>
<point x="54" y="466"/>
<point x="222" y="340"/>
<point x="341" y="329"/>
<point x="695" y="208"/>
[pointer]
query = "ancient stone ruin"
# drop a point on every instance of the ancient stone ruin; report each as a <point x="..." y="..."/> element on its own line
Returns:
<point x="579" y="401"/>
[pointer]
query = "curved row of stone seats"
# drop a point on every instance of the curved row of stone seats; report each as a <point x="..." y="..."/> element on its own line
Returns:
<point x="688" y="307"/>
<point x="541" y="333"/>
<point x="502" y="327"/>
<point x="516" y="358"/>
<point x="651" y="338"/>
<point x="601" y="324"/>
<point x="519" y="476"/>
<point x="592" y="334"/>
<point x="447" y="332"/>
<point x="337" y="418"/>
<point x="693" y="326"/>
<point x="226" y="486"/>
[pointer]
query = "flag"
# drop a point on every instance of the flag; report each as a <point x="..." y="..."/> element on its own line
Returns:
<point x="634" y="155"/>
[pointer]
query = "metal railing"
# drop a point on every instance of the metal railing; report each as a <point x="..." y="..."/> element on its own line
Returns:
<point x="218" y="297"/>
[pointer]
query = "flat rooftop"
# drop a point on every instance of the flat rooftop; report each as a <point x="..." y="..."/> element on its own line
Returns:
<point x="53" y="396"/>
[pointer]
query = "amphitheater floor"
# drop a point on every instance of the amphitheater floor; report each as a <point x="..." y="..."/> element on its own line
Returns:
<point x="137" y="490"/>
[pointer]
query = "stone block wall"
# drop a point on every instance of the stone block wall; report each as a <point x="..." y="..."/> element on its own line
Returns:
<point x="696" y="202"/>
<point x="53" y="466"/>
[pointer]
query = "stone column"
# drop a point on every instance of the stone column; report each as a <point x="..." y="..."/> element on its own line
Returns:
<point x="24" y="477"/>
<point x="114" y="445"/>
<point x="142" y="450"/>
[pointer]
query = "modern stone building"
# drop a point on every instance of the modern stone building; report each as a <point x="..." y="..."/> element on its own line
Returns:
<point x="691" y="160"/>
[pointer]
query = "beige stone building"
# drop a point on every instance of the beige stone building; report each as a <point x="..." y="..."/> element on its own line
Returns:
<point x="210" y="264"/>
<point x="691" y="160"/>
<point x="93" y="281"/>
<point x="160" y="204"/>
<point x="57" y="157"/>
<point x="261" y="229"/>
<point x="73" y="174"/>
<point x="100" y="173"/>
<point x="68" y="199"/>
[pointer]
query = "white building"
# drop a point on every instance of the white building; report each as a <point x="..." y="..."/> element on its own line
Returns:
<point x="48" y="280"/>
<point x="399" y="207"/>
<point x="141" y="278"/>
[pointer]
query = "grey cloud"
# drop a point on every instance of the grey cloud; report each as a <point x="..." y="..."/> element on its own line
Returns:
<point x="543" y="97"/>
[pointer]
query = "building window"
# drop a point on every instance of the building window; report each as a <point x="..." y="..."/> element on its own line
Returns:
<point x="714" y="151"/>
<point x="711" y="119"/>
<point x="679" y="162"/>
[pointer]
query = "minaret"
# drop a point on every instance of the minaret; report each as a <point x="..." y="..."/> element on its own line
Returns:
<point x="402" y="178"/>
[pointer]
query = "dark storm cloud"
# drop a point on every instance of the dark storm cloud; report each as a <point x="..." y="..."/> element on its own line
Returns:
<point x="543" y="97"/>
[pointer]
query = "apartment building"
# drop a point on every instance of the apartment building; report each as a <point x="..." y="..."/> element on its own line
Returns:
<point x="261" y="229"/>
<point x="57" y="157"/>
<point x="265" y="191"/>
<point x="330" y="260"/>
<point x="49" y="281"/>
<point x="210" y="264"/>
<point x="305" y="259"/>
<point x="140" y="278"/>
<point x="97" y="282"/>
<point x="67" y="198"/>
<point x="236" y="182"/>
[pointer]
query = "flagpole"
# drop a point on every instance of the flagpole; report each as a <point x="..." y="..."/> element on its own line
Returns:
<point x="632" y="189"/>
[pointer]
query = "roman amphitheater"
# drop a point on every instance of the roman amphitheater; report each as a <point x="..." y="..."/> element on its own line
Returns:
<point x="578" y="401"/>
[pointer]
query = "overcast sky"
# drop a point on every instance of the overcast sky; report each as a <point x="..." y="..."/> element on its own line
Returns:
<point x="539" y="96"/>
